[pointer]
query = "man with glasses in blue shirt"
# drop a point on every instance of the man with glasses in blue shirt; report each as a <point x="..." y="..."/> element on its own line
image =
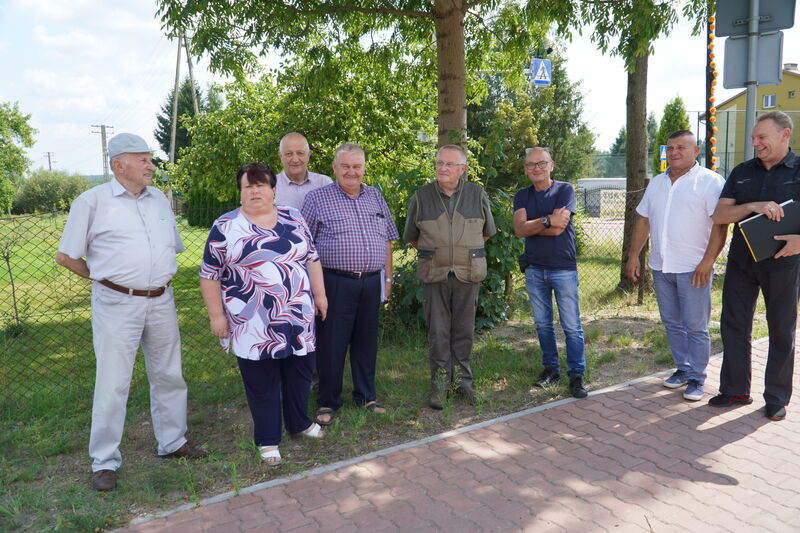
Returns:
<point x="543" y="216"/>
<point x="448" y="222"/>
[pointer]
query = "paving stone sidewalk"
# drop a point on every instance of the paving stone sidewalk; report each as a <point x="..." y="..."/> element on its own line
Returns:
<point x="636" y="457"/>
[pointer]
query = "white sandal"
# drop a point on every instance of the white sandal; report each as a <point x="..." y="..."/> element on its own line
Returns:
<point x="314" y="431"/>
<point x="267" y="454"/>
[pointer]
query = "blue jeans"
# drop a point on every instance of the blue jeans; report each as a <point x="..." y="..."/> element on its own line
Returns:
<point x="541" y="284"/>
<point x="685" y="311"/>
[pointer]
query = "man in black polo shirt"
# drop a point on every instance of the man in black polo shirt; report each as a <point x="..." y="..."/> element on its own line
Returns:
<point x="760" y="185"/>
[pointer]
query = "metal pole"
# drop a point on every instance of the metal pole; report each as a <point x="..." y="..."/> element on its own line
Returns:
<point x="752" y="75"/>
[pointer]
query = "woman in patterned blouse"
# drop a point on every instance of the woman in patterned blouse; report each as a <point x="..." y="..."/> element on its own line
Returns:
<point x="262" y="284"/>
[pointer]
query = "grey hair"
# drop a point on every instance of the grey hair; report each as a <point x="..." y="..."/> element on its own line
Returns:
<point x="781" y="119"/>
<point x="456" y="148"/>
<point x="539" y="148"/>
<point x="348" y="147"/>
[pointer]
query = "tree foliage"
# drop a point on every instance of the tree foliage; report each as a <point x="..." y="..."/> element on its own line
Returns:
<point x="507" y="122"/>
<point x="15" y="135"/>
<point x="674" y="118"/>
<point x="163" y="131"/>
<point x="456" y="39"/>
<point x="49" y="190"/>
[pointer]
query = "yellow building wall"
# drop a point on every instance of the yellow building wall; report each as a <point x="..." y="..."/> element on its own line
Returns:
<point x="731" y="119"/>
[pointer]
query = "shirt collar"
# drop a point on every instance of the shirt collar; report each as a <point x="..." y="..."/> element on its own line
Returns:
<point x="458" y="187"/>
<point x="790" y="160"/>
<point x="292" y="182"/>
<point x="117" y="189"/>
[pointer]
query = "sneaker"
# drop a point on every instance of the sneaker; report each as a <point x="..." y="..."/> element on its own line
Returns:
<point x="104" y="480"/>
<point x="677" y="379"/>
<point x="724" y="400"/>
<point x="576" y="387"/>
<point x="775" y="411"/>
<point x="694" y="391"/>
<point x="549" y="376"/>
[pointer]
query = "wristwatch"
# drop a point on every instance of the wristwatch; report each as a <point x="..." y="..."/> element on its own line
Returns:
<point x="545" y="220"/>
<point x="389" y="280"/>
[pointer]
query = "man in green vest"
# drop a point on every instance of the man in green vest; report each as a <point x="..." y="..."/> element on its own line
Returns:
<point x="448" y="222"/>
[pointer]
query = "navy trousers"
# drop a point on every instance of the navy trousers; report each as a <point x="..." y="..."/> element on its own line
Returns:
<point x="352" y="322"/>
<point x="739" y="295"/>
<point x="275" y="385"/>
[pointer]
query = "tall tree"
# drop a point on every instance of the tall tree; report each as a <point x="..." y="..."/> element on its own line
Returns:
<point x="470" y="36"/>
<point x="636" y="24"/>
<point x="620" y="143"/>
<point x="163" y="131"/>
<point x="15" y="135"/>
<point x="675" y="118"/>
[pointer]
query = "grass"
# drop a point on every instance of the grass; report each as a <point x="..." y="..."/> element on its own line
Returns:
<point x="47" y="374"/>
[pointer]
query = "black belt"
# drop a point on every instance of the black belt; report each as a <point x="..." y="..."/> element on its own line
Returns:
<point x="151" y="293"/>
<point x="353" y="275"/>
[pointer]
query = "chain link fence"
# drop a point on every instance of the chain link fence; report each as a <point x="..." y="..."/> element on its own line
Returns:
<point x="45" y="312"/>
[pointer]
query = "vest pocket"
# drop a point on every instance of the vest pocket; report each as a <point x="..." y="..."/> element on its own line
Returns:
<point x="425" y="265"/>
<point x="477" y="259"/>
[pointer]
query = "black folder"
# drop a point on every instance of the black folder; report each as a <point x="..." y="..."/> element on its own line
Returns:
<point x="758" y="231"/>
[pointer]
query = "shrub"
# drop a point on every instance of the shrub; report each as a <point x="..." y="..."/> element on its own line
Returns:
<point x="49" y="190"/>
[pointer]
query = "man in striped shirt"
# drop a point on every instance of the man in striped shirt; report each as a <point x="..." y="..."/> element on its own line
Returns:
<point x="352" y="229"/>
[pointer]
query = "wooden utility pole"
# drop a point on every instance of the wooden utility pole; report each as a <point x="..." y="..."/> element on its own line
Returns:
<point x="50" y="160"/>
<point x="191" y="75"/>
<point x="174" y="129"/>
<point x="103" y="137"/>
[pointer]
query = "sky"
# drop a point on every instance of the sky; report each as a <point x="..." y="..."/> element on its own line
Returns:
<point x="72" y="65"/>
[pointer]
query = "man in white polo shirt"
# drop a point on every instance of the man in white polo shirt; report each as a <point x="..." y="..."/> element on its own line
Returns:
<point x="676" y="211"/>
<point x="295" y="181"/>
<point x="126" y="232"/>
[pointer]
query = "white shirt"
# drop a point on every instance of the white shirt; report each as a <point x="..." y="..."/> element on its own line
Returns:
<point x="288" y="192"/>
<point x="680" y="217"/>
<point x="128" y="240"/>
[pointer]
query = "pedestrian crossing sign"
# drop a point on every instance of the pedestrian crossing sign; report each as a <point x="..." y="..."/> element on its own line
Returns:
<point x="541" y="70"/>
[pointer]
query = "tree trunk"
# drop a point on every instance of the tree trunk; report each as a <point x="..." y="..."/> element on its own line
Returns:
<point x="450" y="51"/>
<point x="636" y="163"/>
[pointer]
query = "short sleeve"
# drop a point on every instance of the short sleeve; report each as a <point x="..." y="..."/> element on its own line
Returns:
<point x="391" y="229"/>
<point x="313" y="256"/>
<point x="566" y="198"/>
<point x="519" y="201"/>
<point x="713" y="193"/>
<point x="729" y="189"/>
<point x="214" y="254"/>
<point x="643" y="209"/>
<point x="489" y="227"/>
<point x="74" y="239"/>
<point x="309" y="213"/>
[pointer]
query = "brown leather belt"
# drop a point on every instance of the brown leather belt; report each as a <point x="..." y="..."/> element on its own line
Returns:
<point x="152" y="293"/>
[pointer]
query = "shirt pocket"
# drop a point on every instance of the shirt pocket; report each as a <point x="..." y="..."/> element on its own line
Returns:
<point x="788" y="190"/>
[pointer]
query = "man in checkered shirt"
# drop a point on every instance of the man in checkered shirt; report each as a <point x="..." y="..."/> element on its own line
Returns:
<point x="352" y="229"/>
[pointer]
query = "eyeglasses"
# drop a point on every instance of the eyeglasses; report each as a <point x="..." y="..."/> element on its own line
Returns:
<point x="449" y="165"/>
<point x="537" y="164"/>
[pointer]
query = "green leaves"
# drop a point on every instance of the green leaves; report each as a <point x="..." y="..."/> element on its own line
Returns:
<point x="15" y="135"/>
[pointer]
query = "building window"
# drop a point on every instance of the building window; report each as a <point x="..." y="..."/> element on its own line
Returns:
<point x="792" y="94"/>
<point x="769" y="101"/>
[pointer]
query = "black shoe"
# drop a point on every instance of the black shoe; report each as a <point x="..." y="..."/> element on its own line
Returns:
<point x="576" y="387"/>
<point x="549" y="376"/>
<point x="775" y="411"/>
<point x="725" y="400"/>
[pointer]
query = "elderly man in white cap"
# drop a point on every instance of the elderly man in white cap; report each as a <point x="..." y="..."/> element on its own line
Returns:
<point x="122" y="235"/>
